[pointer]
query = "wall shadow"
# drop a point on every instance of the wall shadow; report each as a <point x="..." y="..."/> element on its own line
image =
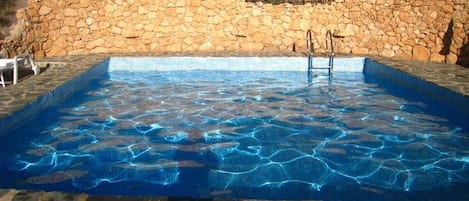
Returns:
<point x="463" y="56"/>
<point x="447" y="40"/>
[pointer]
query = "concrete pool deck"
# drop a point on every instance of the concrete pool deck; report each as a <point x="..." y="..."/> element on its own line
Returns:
<point x="58" y="70"/>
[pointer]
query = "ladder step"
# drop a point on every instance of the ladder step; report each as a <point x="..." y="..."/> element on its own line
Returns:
<point x="321" y="67"/>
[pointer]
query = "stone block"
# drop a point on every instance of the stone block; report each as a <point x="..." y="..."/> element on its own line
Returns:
<point x="278" y="30"/>
<point x="420" y="53"/>
<point x="258" y="37"/>
<point x="109" y="8"/>
<point x="78" y="44"/>
<point x="359" y="50"/>
<point x="65" y="30"/>
<point x="200" y="18"/>
<point x="141" y="10"/>
<point x="44" y="10"/>
<point x="139" y="26"/>
<point x="195" y="3"/>
<point x="451" y="58"/>
<point x="148" y="35"/>
<point x="149" y="28"/>
<point x="119" y="44"/>
<point x="173" y="47"/>
<point x="122" y="24"/>
<point x="437" y="57"/>
<point x="98" y="50"/>
<point x="188" y="41"/>
<point x="388" y="52"/>
<point x="116" y="30"/>
<point x="56" y="51"/>
<point x="69" y="12"/>
<point x="348" y="31"/>
<point x="207" y="46"/>
<point x="95" y="43"/>
<point x="39" y="54"/>
<point x="89" y="21"/>
<point x="252" y="46"/>
<point x="70" y="21"/>
<point x="129" y="33"/>
<point x="209" y="4"/>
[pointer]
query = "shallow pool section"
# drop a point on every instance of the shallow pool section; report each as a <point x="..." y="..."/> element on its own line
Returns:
<point x="243" y="128"/>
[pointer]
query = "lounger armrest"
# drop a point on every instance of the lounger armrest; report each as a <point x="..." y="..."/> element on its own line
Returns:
<point x="26" y="58"/>
<point x="7" y="63"/>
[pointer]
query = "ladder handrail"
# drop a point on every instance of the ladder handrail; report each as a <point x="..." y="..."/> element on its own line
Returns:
<point x="330" y="45"/>
<point x="309" y="49"/>
<point x="309" y="42"/>
<point x="329" y="50"/>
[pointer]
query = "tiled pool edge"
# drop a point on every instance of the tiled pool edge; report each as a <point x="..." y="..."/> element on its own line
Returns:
<point x="450" y="76"/>
<point x="48" y="84"/>
<point x="417" y="85"/>
<point x="39" y="85"/>
<point x="45" y="100"/>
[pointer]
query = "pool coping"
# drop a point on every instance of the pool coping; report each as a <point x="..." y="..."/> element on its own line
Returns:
<point x="56" y="72"/>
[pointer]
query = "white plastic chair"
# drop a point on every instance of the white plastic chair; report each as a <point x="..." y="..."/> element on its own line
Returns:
<point x="21" y="60"/>
<point x="5" y="65"/>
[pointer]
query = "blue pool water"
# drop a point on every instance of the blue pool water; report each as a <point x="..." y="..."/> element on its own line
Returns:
<point x="242" y="128"/>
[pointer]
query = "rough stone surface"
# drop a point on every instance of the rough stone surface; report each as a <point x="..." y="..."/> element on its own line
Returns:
<point x="425" y="30"/>
<point x="420" y="53"/>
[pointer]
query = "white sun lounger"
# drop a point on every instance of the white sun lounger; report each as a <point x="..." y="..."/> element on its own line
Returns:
<point x="21" y="60"/>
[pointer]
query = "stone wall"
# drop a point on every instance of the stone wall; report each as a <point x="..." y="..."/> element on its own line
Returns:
<point x="434" y="30"/>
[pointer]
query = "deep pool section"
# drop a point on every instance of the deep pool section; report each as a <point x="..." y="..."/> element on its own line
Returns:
<point x="177" y="127"/>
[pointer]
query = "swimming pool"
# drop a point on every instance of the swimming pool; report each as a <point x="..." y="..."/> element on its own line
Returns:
<point x="242" y="128"/>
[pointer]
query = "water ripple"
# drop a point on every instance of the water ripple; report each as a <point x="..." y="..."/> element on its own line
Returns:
<point x="262" y="134"/>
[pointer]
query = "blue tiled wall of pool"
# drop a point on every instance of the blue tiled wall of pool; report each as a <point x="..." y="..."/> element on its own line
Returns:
<point x="231" y="63"/>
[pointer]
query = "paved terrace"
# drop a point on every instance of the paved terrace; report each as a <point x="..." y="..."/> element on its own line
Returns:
<point x="58" y="70"/>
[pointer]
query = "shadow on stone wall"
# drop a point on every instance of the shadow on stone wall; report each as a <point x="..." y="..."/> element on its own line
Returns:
<point x="463" y="57"/>
<point x="463" y="53"/>
<point x="447" y="40"/>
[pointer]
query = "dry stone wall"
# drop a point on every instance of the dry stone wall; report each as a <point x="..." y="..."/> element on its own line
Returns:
<point x="434" y="30"/>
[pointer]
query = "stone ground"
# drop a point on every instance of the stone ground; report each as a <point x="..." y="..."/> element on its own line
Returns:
<point x="57" y="70"/>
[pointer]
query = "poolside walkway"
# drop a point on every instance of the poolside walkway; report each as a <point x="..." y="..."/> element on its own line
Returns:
<point x="58" y="70"/>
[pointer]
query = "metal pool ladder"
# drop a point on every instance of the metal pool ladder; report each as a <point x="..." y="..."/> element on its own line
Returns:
<point x="329" y="52"/>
